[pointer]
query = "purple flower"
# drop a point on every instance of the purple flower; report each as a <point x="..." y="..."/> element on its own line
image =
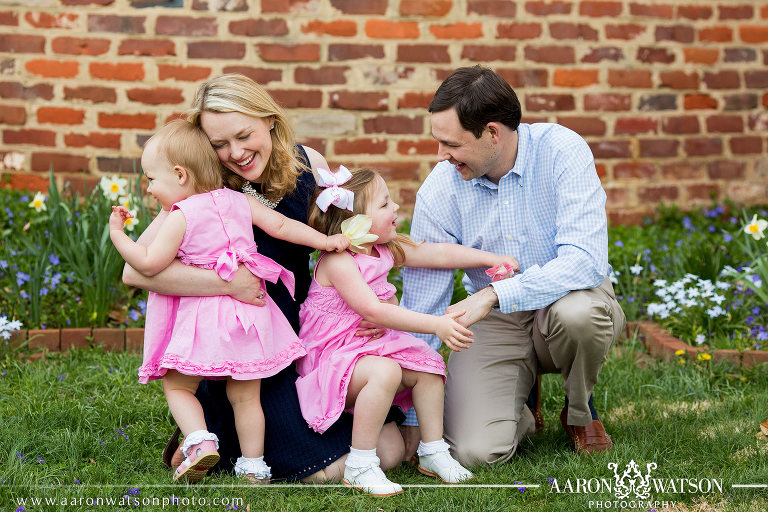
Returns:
<point x="24" y="198"/>
<point x="3" y="264"/>
<point x="40" y="460"/>
<point x="134" y="315"/>
<point x="711" y="229"/>
<point x="142" y="306"/>
<point x="749" y="319"/>
<point x="53" y="259"/>
<point x="687" y="223"/>
<point x="62" y="376"/>
<point x="762" y="335"/>
<point x="43" y="291"/>
<point x="756" y="310"/>
<point x="21" y="278"/>
<point x="24" y="295"/>
<point x="20" y="509"/>
<point x="618" y="243"/>
<point x="727" y="237"/>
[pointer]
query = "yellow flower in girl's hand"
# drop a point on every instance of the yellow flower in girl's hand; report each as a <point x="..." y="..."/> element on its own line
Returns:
<point x="356" y="229"/>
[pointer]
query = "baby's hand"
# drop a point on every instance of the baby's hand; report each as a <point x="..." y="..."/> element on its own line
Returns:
<point x="506" y="266"/>
<point x="118" y="217"/>
<point x="337" y="243"/>
<point x="452" y="333"/>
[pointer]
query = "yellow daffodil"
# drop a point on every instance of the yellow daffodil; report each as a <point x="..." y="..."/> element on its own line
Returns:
<point x="704" y="357"/>
<point x="127" y="201"/>
<point x="756" y="227"/>
<point x="356" y="229"/>
<point x="113" y="186"/>
<point x="679" y="352"/>
<point x="38" y="202"/>
<point x="681" y="361"/>
<point x="131" y="222"/>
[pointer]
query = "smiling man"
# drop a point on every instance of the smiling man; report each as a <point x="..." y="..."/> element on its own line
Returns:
<point x="529" y="190"/>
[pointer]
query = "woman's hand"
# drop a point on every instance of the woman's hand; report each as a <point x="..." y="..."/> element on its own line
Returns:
<point x="336" y="243"/>
<point x="246" y="287"/>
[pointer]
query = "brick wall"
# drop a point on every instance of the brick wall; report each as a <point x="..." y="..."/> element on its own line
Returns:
<point x="671" y="95"/>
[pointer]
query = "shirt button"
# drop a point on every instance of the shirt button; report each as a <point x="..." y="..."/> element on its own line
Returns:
<point x="506" y="202"/>
<point x="215" y="194"/>
<point x="514" y="307"/>
<point x="509" y="237"/>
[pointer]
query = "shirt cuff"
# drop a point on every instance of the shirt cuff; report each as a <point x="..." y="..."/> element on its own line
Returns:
<point x="510" y="294"/>
<point x="410" y="418"/>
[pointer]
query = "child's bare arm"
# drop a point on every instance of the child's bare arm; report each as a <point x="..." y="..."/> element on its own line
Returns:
<point x="159" y="254"/>
<point x="445" y="255"/>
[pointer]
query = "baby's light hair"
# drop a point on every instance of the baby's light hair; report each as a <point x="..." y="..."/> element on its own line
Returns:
<point x="186" y="145"/>
<point x="329" y="222"/>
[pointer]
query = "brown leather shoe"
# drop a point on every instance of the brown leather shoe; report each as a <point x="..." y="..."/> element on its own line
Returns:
<point x="586" y="439"/>
<point x="171" y="451"/>
<point x="538" y="417"/>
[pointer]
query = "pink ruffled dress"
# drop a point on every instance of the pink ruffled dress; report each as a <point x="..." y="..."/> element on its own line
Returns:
<point x="328" y="328"/>
<point x="218" y="337"/>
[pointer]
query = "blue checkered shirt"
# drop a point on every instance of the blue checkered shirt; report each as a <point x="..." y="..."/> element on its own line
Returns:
<point x="548" y="211"/>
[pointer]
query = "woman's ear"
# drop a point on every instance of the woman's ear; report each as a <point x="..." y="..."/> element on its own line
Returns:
<point x="182" y="175"/>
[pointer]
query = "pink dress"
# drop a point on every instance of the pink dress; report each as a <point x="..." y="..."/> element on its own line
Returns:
<point x="328" y="328"/>
<point x="218" y="337"/>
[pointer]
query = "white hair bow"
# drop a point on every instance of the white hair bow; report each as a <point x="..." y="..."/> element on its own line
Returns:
<point x="333" y="193"/>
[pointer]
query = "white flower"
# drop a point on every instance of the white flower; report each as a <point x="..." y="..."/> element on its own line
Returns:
<point x="113" y="186"/>
<point x="128" y="201"/>
<point x="722" y="285"/>
<point x="661" y="283"/>
<point x="715" y="312"/>
<point x="356" y="229"/>
<point x="755" y="227"/>
<point x="132" y="221"/>
<point x="636" y="269"/>
<point x="38" y="202"/>
<point x="14" y="325"/>
<point x="700" y="339"/>
<point x="718" y="298"/>
<point x="612" y="277"/>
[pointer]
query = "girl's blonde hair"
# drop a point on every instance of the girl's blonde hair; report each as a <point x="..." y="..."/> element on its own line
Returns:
<point x="184" y="144"/>
<point x="329" y="222"/>
<point x="238" y="93"/>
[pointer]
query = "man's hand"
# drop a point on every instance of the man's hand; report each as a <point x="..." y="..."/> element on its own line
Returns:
<point x="411" y="436"/>
<point x="476" y="306"/>
<point x="246" y="287"/>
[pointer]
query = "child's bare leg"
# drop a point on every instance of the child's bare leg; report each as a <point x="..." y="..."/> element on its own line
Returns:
<point x="428" y="394"/>
<point x="244" y="395"/>
<point x="179" y="391"/>
<point x="371" y="389"/>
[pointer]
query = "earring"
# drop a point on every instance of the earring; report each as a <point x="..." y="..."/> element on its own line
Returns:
<point x="272" y="127"/>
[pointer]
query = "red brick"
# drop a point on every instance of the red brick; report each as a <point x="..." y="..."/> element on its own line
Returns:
<point x="60" y="115"/>
<point x="699" y="101"/>
<point x="156" y="95"/>
<point x="702" y="192"/>
<point x="359" y="100"/>
<point x="46" y="20"/>
<point x="321" y="76"/>
<point x="10" y="114"/>
<point x="725" y="124"/>
<point x="289" y="52"/>
<point x="752" y="358"/>
<point x="484" y="53"/>
<point x="740" y="101"/>
<point x="59" y="162"/>
<point x="626" y="218"/>
<point x="525" y="77"/>
<point x="93" y="139"/>
<point x="32" y="137"/>
<point x="127" y="121"/>
<point x="360" y="146"/>
<point x="75" y="338"/>
<point x="764" y="12"/>
<point x="422" y="53"/>
<point x="215" y="50"/>
<point x="584" y="126"/>
<point x="740" y="55"/>
<point x="118" y="165"/>
<point x="549" y="102"/>
<point x="581" y="31"/>
<point x="611" y="149"/>
<point x="551" y="54"/>
<point x="20" y="91"/>
<point x="397" y="125"/>
<point x="616" y="197"/>
<point x="415" y="100"/>
<point x="679" y="79"/>
<point x="722" y="80"/>
<point x="600" y="9"/>
<point x="79" y="46"/>
<point x="758" y="122"/>
<point x="91" y="93"/>
<point x="694" y="12"/>
<point x="417" y="147"/>
<point x="651" y="102"/>
<point x="407" y="196"/>
<point x="726" y="170"/>
<point x="337" y="52"/>
<point x="361" y="6"/>
<point x="652" y="55"/>
<point x="765" y="100"/>
<point x="625" y="31"/>
<point x="677" y="33"/>
<point x="25" y="181"/>
<point x="680" y="125"/>
<point x="43" y="339"/>
<point x="183" y="73"/>
<point x="651" y="10"/>
<point x="87" y="2"/>
<point x="707" y="56"/>
<point x="10" y="18"/>
<point x="384" y="29"/>
<point x="499" y="8"/>
<point x="425" y="7"/>
<point x="735" y="12"/>
<point x="111" y="339"/>
<point x="21" y="43"/>
<point x="746" y="145"/>
<point x="283" y="6"/>
<point x="82" y="185"/>
<point x="548" y="8"/>
<point x="519" y="30"/>
<point x="127" y="71"/>
<point x="658" y="193"/>
<point x="703" y="147"/>
<point x="258" y="27"/>
<point x="609" y="102"/>
<point x="685" y="170"/>
<point x="658" y="148"/>
<point x="258" y="75"/>
<point x="719" y="34"/>
<point x="117" y="24"/>
<point x="339" y="28"/>
<point x="627" y="78"/>
<point x="395" y="170"/>
<point x="185" y="26"/>
<point x="575" y="77"/>
<point x="147" y="47"/>
<point x="634" y="170"/>
<point x="635" y="125"/>
<point x="297" y="99"/>
<point x="457" y="31"/>
<point x="134" y="339"/>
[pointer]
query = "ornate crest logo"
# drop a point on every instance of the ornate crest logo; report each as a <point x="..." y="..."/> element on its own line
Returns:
<point x="631" y="481"/>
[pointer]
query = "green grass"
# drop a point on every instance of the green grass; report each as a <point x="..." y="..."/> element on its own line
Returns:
<point x="86" y="416"/>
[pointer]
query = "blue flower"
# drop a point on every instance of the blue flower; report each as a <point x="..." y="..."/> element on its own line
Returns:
<point x="142" y="306"/>
<point x="24" y="198"/>
<point x="749" y="319"/>
<point x="3" y="264"/>
<point x="727" y="237"/>
<point x="618" y="243"/>
<point x="687" y="223"/>
<point x="62" y="376"/>
<point x="53" y="259"/>
<point x="711" y="229"/>
<point x="43" y="291"/>
<point x="134" y="315"/>
<point x="756" y="310"/>
<point x="21" y="278"/>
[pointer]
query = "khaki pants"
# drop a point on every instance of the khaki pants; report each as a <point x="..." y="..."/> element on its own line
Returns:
<point x="488" y="384"/>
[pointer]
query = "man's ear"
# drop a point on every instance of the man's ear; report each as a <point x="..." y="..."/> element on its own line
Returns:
<point x="182" y="175"/>
<point x="495" y="131"/>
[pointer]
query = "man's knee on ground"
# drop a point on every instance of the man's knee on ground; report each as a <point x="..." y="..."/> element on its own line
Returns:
<point x="487" y="447"/>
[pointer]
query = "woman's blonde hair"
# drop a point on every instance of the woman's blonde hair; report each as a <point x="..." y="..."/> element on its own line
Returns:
<point x="238" y="93"/>
<point x="329" y="222"/>
<point x="184" y="144"/>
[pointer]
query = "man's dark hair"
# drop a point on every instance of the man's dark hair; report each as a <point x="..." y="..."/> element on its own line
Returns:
<point x="480" y="96"/>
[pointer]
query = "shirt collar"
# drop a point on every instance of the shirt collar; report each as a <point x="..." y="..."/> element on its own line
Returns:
<point x="520" y="160"/>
